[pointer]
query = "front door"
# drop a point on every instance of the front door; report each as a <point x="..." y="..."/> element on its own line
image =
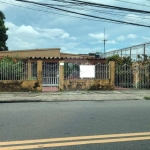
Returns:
<point x="50" y="76"/>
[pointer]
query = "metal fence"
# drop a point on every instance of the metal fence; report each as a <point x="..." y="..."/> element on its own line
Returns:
<point x="144" y="77"/>
<point x="132" y="76"/>
<point x="133" y="51"/>
<point x="18" y="71"/>
<point x="73" y="71"/>
<point x="124" y="76"/>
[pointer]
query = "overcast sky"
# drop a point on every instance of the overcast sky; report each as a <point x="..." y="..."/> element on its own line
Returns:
<point x="29" y="29"/>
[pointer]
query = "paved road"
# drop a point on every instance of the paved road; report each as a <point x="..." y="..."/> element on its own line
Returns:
<point x="45" y="121"/>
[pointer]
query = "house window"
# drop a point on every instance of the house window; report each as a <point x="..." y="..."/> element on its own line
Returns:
<point x="34" y="69"/>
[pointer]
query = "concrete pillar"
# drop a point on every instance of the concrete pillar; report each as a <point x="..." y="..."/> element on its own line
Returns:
<point x="29" y="69"/>
<point x="39" y="74"/>
<point x="112" y="72"/>
<point x="135" y="75"/>
<point x="61" y="75"/>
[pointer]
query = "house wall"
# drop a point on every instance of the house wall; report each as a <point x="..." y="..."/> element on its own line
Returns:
<point x="88" y="84"/>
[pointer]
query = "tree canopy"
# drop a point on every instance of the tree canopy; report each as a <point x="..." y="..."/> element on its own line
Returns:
<point x="141" y="59"/>
<point x="3" y="35"/>
<point x="120" y="60"/>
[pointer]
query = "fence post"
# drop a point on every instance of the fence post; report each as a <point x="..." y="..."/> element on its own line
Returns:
<point x="136" y="75"/>
<point x="112" y="72"/>
<point x="39" y="74"/>
<point x="29" y="68"/>
<point x="61" y="75"/>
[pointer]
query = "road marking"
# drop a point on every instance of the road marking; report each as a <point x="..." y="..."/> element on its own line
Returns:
<point x="75" y="143"/>
<point x="74" y="138"/>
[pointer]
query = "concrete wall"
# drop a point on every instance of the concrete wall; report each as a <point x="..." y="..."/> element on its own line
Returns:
<point x="24" y="85"/>
<point x="18" y="86"/>
<point x="88" y="84"/>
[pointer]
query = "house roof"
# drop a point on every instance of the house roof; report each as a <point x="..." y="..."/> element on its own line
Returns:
<point x="29" y="50"/>
<point x="47" y="53"/>
<point x="62" y="58"/>
<point x="23" y="54"/>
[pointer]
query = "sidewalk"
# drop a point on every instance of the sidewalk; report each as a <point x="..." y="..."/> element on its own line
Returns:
<point x="73" y="96"/>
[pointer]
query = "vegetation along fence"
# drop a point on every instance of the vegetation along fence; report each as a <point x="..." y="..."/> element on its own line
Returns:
<point x="16" y="75"/>
<point x="18" y="71"/>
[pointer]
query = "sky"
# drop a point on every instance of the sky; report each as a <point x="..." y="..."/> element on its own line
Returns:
<point x="33" y="29"/>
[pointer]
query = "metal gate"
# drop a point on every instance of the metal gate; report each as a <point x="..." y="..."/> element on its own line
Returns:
<point x="50" y="76"/>
<point x="132" y="76"/>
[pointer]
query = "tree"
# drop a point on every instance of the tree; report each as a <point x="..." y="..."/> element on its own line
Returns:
<point x="3" y="35"/>
<point x="120" y="60"/>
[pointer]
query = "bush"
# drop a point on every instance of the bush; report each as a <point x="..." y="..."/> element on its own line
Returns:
<point x="11" y="68"/>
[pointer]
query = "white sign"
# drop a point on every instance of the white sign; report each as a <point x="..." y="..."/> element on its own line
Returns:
<point x="87" y="71"/>
<point x="61" y="64"/>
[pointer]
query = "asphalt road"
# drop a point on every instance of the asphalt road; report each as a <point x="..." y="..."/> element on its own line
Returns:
<point x="50" y="120"/>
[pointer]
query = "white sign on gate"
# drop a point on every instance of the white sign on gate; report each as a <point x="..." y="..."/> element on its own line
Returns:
<point x="87" y="71"/>
<point x="61" y="64"/>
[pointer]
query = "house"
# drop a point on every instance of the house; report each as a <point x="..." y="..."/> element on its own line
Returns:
<point x="51" y="59"/>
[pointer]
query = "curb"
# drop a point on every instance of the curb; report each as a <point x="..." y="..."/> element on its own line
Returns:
<point x="55" y="100"/>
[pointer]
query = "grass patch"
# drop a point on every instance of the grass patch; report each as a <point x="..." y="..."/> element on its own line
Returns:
<point x="147" y="97"/>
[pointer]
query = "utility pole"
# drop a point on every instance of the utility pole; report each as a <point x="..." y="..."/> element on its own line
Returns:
<point x="104" y="40"/>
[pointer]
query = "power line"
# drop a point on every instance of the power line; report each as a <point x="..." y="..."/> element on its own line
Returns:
<point x="108" y="12"/>
<point x="31" y="8"/>
<point x="35" y="9"/>
<point x="82" y="14"/>
<point x="101" y="5"/>
<point x="133" y="3"/>
<point x="77" y="2"/>
<point x="96" y="19"/>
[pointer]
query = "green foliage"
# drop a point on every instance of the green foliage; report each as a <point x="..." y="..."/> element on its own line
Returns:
<point x="120" y="60"/>
<point x="71" y="70"/>
<point x="11" y="68"/>
<point x="3" y="35"/>
<point x="143" y="59"/>
<point x="147" y="97"/>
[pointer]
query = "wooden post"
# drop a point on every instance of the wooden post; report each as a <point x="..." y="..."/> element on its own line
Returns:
<point x="112" y="72"/>
<point x="39" y="74"/>
<point x="61" y="75"/>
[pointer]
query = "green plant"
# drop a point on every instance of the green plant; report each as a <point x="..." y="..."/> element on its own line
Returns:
<point x="120" y="60"/>
<point x="32" y="78"/>
<point x="147" y="97"/>
<point x="11" y="68"/>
